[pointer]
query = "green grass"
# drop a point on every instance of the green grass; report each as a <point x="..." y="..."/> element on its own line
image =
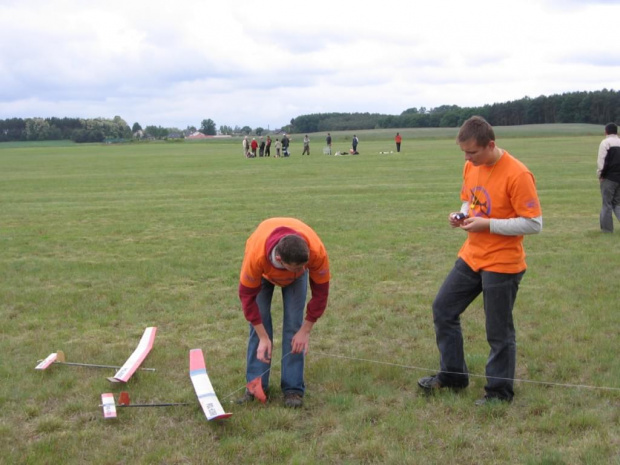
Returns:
<point x="98" y="242"/>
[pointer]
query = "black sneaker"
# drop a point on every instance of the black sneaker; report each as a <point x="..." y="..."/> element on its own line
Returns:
<point x="247" y="397"/>
<point x="293" y="400"/>
<point x="431" y="383"/>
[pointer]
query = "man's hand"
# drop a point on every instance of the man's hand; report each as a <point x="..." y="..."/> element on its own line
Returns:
<point x="301" y="340"/>
<point x="456" y="219"/>
<point x="476" y="224"/>
<point x="263" y="353"/>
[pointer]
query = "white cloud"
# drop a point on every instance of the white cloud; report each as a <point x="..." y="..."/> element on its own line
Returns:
<point x="261" y="64"/>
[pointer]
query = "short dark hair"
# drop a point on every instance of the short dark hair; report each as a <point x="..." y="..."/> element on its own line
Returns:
<point x="611" y="128"/>
<point x="477" y="128"/>
<point x="293" y="250"/>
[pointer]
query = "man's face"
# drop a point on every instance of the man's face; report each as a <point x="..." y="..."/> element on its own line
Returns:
<point x="476" y="154"/>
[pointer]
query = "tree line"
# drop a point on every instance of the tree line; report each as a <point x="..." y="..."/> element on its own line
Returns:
<point x="597" y="107"/>
<point x="102" y="129"/>
<point x="76" y="129"/>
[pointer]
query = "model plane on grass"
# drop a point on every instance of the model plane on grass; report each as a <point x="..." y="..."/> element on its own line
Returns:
<point x="124" y="372"/>
<point x="110" y="406"/>
<point x="202" y="385"/>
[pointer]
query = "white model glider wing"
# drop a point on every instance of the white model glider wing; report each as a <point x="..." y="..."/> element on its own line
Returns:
<point x="138" y="356"/>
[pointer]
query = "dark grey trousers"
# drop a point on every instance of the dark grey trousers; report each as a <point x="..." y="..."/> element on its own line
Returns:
<point x="499" y="291"/>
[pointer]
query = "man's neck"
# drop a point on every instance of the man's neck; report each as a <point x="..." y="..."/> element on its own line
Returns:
<point x="497" y="154"/>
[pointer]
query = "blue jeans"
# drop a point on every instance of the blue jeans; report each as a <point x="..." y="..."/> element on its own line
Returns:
<point x="294" y="300"/>
<point x="610" y="193"/>
<point x="499" y="291"/>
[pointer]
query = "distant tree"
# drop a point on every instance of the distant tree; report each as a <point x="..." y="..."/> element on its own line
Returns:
<point x="207" y="127"/>
<point x="247" y="130"/>
<point x="259" y="131"/>
<point x="37" y="129"/>
<point x="227" y="130"/>
<point x="136" y="127"/>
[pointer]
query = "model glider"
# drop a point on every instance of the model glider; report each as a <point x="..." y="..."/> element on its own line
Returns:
<point x="124" y="372"/>
<point x="109" y="406"/>
<point x="202" y="385"/>
<point x="133" y="362"/>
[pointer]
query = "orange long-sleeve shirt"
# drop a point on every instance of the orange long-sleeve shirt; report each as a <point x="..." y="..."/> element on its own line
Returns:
<point x="257" y="265"/>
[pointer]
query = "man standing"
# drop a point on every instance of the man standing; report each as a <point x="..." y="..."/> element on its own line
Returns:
<point x="608" y="171"/>
<point x="254" y="146"/>
<point x="261" y="147"/>
<point x="268" y="147"/>
<point x="278" y="147"/>
<point x="328" y="141"/>
<point x="306" y="145"/>
<point x="246" y="147"/>
<point x="354" y="143"/>
<point x="500" y="205"/>
<point x="282" y="252"/>
<point x="285" y="144"/>
<point x="398" y="139"/>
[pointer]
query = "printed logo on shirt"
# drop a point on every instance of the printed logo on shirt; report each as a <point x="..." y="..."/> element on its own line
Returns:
<point x="480" y="202"/>
<point x="532" y="203"/>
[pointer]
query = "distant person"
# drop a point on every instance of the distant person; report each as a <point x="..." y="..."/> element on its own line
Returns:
<point x="608" y="171"/>
<point x="328" y="142"/>
<point x="261" y="147"/>
<point x="268" y="147"/>
<point x="306" y="146"/>
<point x="398" y="139"/>
<point x="254" y="146"/>
<point x="246" y="147"/>
<point x="285" y="144"/>
<point x="354" y="143"/>
<point x="287" y="253"/>
<point x="278" y="148"/>
<point x="500" y="205"/>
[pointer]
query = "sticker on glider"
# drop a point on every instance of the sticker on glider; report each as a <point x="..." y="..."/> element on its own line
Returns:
<point x="133" y="362"/>
<point x="204" y="389"/>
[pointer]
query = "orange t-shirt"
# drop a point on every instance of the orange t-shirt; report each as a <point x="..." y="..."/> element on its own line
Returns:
<point x="502" y="191"/>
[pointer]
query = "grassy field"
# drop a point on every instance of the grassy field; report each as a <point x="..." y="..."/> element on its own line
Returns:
<point x="98" y="242"/>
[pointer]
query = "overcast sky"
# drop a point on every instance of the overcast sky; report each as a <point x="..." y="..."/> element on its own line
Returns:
<point x="261" y="63"/>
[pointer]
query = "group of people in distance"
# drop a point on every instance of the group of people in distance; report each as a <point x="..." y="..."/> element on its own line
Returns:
<point x="262" y="148"/>
<point x="328" y="146"/>
<point x="499" y="206"/>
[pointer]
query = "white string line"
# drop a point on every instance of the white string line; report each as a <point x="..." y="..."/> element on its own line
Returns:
<point x="581" y="386"/>
<point x="259" y="376"/>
